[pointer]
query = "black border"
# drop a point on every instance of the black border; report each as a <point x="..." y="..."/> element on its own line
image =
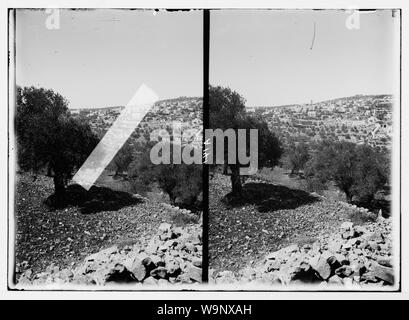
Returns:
<point x="205" y="226"/>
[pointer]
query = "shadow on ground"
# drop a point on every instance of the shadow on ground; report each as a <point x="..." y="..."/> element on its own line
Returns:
<point x="268" y="197"/>
<point x="96" y="199"/>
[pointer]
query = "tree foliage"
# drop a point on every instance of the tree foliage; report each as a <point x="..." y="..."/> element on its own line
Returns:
<point x="296" y="156"/>
<point x="227" y="111"/>
<point x="358" y="170"/>
<point x="122" y="159"/>
<point x="48" y="138"/>
<point x="182" y="182"/>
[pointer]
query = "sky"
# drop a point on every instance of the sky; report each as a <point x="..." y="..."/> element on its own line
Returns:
<point x="99" y="58"/>
<point x="265" y="55"/>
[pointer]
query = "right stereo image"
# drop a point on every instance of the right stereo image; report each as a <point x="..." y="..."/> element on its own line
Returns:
<point x="304" y="167"/>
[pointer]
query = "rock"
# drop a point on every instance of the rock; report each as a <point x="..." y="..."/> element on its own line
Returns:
<point x="369" y="277"/>
<point x="360" y="230"/>
<point x="282" y="252"/>
<point x="303" y="267"/>
<point x="66" y="274"/>
<point x="163" y="282"/>
<point x="102" y="255"/>
<point x="108" y="273"/>
<point x="52" y="269"/>
<point x="170" y="243"/>
<point x="341" y="259"/>
<point x="291" y="249"/>
<point x="28" y="273"/>
<point x="150" y="281"/>
<point x="347" y="246"/>
<point x="159" y="272"/>
<point x="183" y="278"/>
<point x="322" y="267"/>
<point x="225" y="280"/>
<point x="335" y="246"/>
<point x="376" y="237"/>
<point x="358" y="267"/>
<point x="157" y="261"/>
<point x="352" y="256"/>
<point x="385" y="261"/>
<point x="197" y="262"/>
<point x="189" y="247"/>
<point x="346" y="226"/>
<point x="24" y="280"/>
<point x="354" y="242"/>
<point x="165" y="236"/>
<point x="136" y="266"/>
<point x="383" y="273"/>
<point x="272" y="265"/>
<point x="335" y="280"/>
<point x="173" y="267"/>
<point x="373" y="245"/>
<point x="194" y="273"/>
<point x="165" y="227"/>
<point x="152" y="247"/>
<point x="344" y="271"/>
<point x="347" y="235"/>
<point x="348" y="282"/>
<point x="148" y="263"/>
<point x="248" y="273"/>
<point x="270" y="279"/>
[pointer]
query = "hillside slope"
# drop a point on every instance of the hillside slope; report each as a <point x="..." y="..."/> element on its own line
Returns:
<point x="268" y="218"/>
<point x="64" y="237"/>
<point x="351" y="258"/>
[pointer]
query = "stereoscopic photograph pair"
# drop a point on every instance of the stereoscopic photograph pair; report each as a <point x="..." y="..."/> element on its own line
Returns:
<point x="228" y="149"/>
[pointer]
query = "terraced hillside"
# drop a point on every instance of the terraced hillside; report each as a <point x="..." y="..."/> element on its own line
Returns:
<point x="186" y="110"/>
<point x="363" y="119"/>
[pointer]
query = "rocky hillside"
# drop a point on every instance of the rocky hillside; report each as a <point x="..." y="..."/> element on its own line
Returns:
<point x="360" y="119"/>
<point x="269" y="217"/>
<point x="355" y="257"/>
<point x="64" y="237"/>
<point x="172" y="256"/>
<point x="186" y="110"/>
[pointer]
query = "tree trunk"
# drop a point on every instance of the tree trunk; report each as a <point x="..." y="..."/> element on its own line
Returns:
<point x="172" y="198"/>
<point x="349" y="196"/>
<point x="59" y="185"/>
<point x="235" y="180"/>
<point x="225" y="171"/>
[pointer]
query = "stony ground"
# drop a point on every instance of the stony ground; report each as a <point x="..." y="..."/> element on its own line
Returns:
<point x="172" y="256"/>
<point x="271" y="217"/>
<point x="353" y="258"/>
<point x="64" y="237"/>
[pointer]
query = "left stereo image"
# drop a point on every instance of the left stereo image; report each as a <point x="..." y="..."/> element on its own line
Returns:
<point x="105" y="149"/>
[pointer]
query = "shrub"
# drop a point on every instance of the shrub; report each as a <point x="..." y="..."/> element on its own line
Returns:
<point x="295" y="157"/>
<point x="358" y="170"/>
<point x="182" y="182"/>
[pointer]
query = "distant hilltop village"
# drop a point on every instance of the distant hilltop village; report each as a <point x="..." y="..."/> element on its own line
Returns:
<point x="187" y="110"/>
<point x="363" y="119"/>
